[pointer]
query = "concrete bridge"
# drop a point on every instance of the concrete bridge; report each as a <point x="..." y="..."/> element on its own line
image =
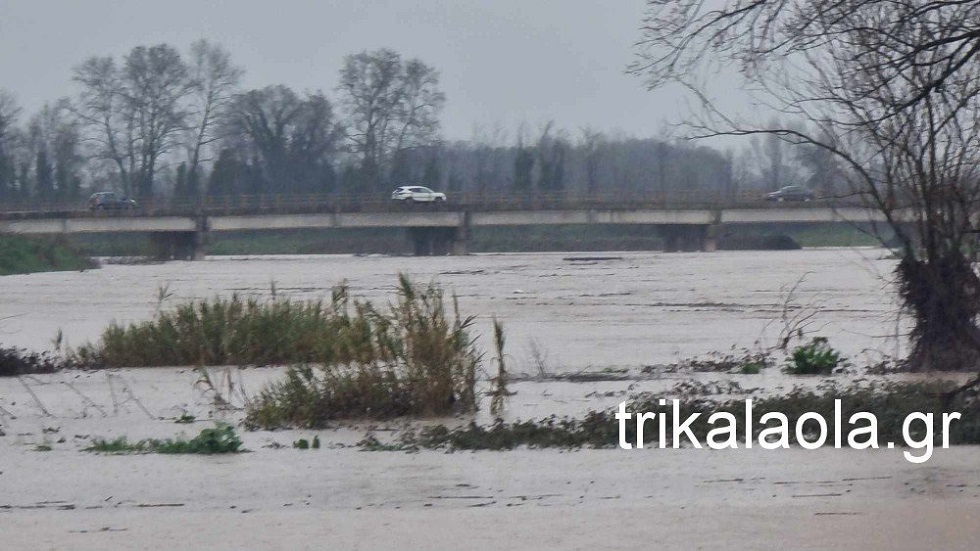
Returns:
<point x="182" y="231"/>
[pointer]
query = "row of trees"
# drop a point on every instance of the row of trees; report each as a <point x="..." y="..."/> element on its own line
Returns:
<point x="165" y="124"/>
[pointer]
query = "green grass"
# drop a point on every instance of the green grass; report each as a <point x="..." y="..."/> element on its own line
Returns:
<point x="23" y="255"/>
<point x="220" y="439"/>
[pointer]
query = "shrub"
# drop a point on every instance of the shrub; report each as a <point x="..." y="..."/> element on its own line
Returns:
<point x="218" y="332"/>
<point x="414" y="360"/>
<point x="14" y="361"/>
<point x="814" y="358"/>
<point x="220" y="439"/>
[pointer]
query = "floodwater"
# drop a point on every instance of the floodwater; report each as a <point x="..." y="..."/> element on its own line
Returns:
<point x="563" y="312"/>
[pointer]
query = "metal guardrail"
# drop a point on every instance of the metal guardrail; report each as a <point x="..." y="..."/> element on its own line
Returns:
<point x="339" y="203"/>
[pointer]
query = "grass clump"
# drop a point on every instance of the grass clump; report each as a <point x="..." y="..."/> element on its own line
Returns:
<point x="414" y="359"/>
<point x="220" y="439"/>
<point x="814" y="358"/>
<point x="237" y="330"/>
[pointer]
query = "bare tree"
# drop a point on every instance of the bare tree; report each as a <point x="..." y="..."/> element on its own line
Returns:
<point x="213" y="83"/>
<point x="155" y="84"/>
<point x="134" y="111"/>
<point x="390" y="105"/>
<point x="550" y="151"/>
<point x="102" y="107"/>
<point x="890" y="90"/>
<point x="592" y="143"/>
<point x="9" y="113"/>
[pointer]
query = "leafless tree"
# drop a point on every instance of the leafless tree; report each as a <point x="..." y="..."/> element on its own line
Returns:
<point x="213" y="83"/>
<point x="102" y="107"/>
<point x="890" y="89"/>
<point x="135" y="110"/>
<point x="592" y="143"/>
<point x="9" y="113"/>
<point x="156" y="83"/>
<point x="390" y="104"/>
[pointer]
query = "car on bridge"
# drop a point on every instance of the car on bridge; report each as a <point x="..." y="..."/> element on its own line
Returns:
<point x="790" y="193"/>
<point x="109" y="200"/>
<point x="417" y="194"/>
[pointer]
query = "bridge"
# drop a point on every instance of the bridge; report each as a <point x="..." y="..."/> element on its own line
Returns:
<point x="685" y="221"/>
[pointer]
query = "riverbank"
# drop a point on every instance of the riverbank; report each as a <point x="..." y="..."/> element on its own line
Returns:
<point x="24" y="255"/>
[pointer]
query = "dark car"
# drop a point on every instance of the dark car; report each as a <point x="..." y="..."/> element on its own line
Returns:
<point x="109" y="200"/>
<point x="790" y="193"/>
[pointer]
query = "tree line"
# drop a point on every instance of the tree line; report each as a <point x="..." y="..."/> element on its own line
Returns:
<point x="161" y="124"/>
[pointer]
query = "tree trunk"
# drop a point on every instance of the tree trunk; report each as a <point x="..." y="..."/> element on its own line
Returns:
<point x="943" y="295"/>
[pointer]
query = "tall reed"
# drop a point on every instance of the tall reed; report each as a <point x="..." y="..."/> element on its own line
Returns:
<point x="348" y="358"/>
<point x="416" y="359"/>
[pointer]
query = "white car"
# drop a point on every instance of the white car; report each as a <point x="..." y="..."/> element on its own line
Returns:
<point x="418" y="194"/>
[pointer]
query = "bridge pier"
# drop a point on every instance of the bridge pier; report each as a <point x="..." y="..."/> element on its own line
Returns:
<point x="180" y="245"/>
<point x="172" y="245"/>
<point x="690" y="237"/>
<point x="439" y="241"/>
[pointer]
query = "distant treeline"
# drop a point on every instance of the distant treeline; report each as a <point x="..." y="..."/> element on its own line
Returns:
<point x="175" y="126"/>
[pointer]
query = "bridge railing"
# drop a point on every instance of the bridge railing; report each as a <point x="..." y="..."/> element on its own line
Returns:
<point x="244" y="204"/>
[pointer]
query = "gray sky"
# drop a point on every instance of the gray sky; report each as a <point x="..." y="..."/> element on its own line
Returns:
<point x="502" y="62"/>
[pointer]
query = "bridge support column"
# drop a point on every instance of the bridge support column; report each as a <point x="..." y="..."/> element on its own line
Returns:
<point x="440" y="241"/>
<point x="689" y="237"/>
<point x="709" y="242"/>
<point x="201" y="238"/>
<point x="461" y="237"/>
<point x="183" y="245"/>
<point x="671" y="235"/>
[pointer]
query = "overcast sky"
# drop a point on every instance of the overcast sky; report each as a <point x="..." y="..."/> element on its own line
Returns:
<point x="502" y="62"/>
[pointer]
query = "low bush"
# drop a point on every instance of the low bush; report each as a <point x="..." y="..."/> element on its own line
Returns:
<point x="15" y="361"/>
<point x="237" y="330"/>
<point x="814" y="358"/>
<point x="219" y="439"/>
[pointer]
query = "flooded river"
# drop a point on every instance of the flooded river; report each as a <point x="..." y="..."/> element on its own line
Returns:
<point x="562" y="311"/>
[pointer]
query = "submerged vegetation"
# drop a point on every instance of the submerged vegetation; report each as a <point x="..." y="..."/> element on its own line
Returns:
<point x="24" y="255"/>
<point x="348" y="359"/>
<point x="890" y="403"/>
<point x="219" y="439"/>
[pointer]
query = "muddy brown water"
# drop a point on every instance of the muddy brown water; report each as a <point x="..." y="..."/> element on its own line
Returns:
<point x="562" y="312"/>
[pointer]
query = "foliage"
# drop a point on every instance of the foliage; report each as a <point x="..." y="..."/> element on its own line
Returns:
<point x="219" y="439"/>
<point x="814" y="358"/>
<point x="14" y="362"/>
<point x="890" y="403"/>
